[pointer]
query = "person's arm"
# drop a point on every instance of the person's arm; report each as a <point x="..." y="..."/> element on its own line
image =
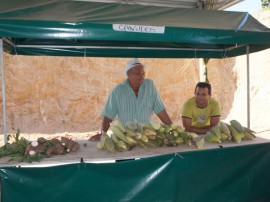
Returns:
<point x="199" y="130"/>
<point x="159" y="107"/>
<point x="104" y="128"/>
<point x="110" y="111"/>
<point x="187" y="125"/>
<point x="214" y="121"/>
<point x="105" y="124"/>
<point x="164" y="117"/>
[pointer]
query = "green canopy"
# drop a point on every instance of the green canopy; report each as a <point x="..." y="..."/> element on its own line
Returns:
<point x="82" y="28"/>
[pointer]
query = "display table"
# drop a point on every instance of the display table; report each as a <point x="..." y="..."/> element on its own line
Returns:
<point x="91" y="153"/>
<point x="227" y="172"/>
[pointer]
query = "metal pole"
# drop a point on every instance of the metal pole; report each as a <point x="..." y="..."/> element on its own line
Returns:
<point x="202" y="70"/>
<point x="200" y="5"/>
<point x="248" y="87"/>
<point x="3" y="90"/>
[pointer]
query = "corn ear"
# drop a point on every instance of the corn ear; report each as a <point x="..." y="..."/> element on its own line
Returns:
<point x="167" y="129"/>
<point x="130" y="132"/>
<point x="179" y="140"/>
<point x="144" y="138"/>
<point x="117" y="148"/>
<point x="115" y="139"/>
<point x="120" y="125"/>
<point x="193" y="135"/>
<point x="169" y="135"/>
<point x="139" y="126"/>
<point x="118" y="132"/>
<point x="251" y="132"/>
<point x="179" y="129"/>
<point x="237" y="136"/>
<point x="175" y="133"/>
<point x="224" y="129"/>
<point x="200" y="143"/>
<point x="224" y="137"/>
<point x="131" y="140"/>
<point x="157" y="142"/>
<point x="161" y="129"/>
<point x="172" y="143"/>
<point x="248" y="136"/>
<point x="101" y="143"/>
<point x="187" y="138"/>
<point x="121" y="144"/>
<point x="138" y="136"/>
<point x="156" y="125"/>
<point x="160" y="135"/>
<point x="131" y="126"/>
<point x="109" y="145"/>
<point x="210" y="137"/>
<point x="237" y="125"/>
<point x="141" y="144"/>
<point x="216" y="131"/>
<point x="150" y="144"/>
<point x="148" y="126"/>
<point x="174" y="126"/>
<point x="148" y="132"/>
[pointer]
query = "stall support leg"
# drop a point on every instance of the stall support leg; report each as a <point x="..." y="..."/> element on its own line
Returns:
<point x="248" y="87"/>
<point x="3" y="89"/>
<point x="202" y="70"/>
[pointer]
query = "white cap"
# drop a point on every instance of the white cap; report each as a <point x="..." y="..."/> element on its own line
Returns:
<point x="132" y="63"/>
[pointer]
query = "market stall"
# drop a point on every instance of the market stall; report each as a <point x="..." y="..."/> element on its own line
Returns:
<point x="85" y="29"/>
<point x="95" y="29"/>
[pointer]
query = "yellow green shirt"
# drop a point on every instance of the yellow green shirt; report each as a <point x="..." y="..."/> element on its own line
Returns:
<point x="201" y="116"/>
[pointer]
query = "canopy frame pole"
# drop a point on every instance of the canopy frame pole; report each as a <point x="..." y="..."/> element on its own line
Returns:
<point x="248" y="87"/>
<point x="202" y="70"/>
<point x="124" y="47"/>
<point x="3" y="89"/>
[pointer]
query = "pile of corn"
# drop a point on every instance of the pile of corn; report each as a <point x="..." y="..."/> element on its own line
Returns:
<point x="233" y="132"/>
<point x="147" y="135"/>
<point x="154" y="134"/>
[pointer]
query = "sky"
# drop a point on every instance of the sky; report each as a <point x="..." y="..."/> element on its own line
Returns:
<point x="251" y="6"/>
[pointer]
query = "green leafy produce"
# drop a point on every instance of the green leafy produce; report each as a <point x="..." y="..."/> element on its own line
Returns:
<point x="14" y="146"/>
<point x="23" y="150"/>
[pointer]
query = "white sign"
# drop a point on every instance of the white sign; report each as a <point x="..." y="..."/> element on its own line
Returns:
<point x="139" y="28"/>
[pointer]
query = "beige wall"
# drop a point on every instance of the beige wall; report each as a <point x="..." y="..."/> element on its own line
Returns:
<point x="58" y="94"/>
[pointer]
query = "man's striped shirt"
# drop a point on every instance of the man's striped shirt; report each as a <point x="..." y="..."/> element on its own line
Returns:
<point x="123" y="102"/>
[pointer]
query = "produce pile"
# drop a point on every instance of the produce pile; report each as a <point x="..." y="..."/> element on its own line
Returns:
<point x="21" y="149"/>
<point x="155" y="134"/>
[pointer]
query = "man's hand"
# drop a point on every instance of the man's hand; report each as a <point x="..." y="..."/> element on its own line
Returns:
<point x="187" y="125"/>
<point x="95" y="137"/>
<point x="164" y="117"/>
<point x="105" y="124"/>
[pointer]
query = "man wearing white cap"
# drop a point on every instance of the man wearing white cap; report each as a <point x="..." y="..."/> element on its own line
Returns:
<point x="134" y="99"/>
